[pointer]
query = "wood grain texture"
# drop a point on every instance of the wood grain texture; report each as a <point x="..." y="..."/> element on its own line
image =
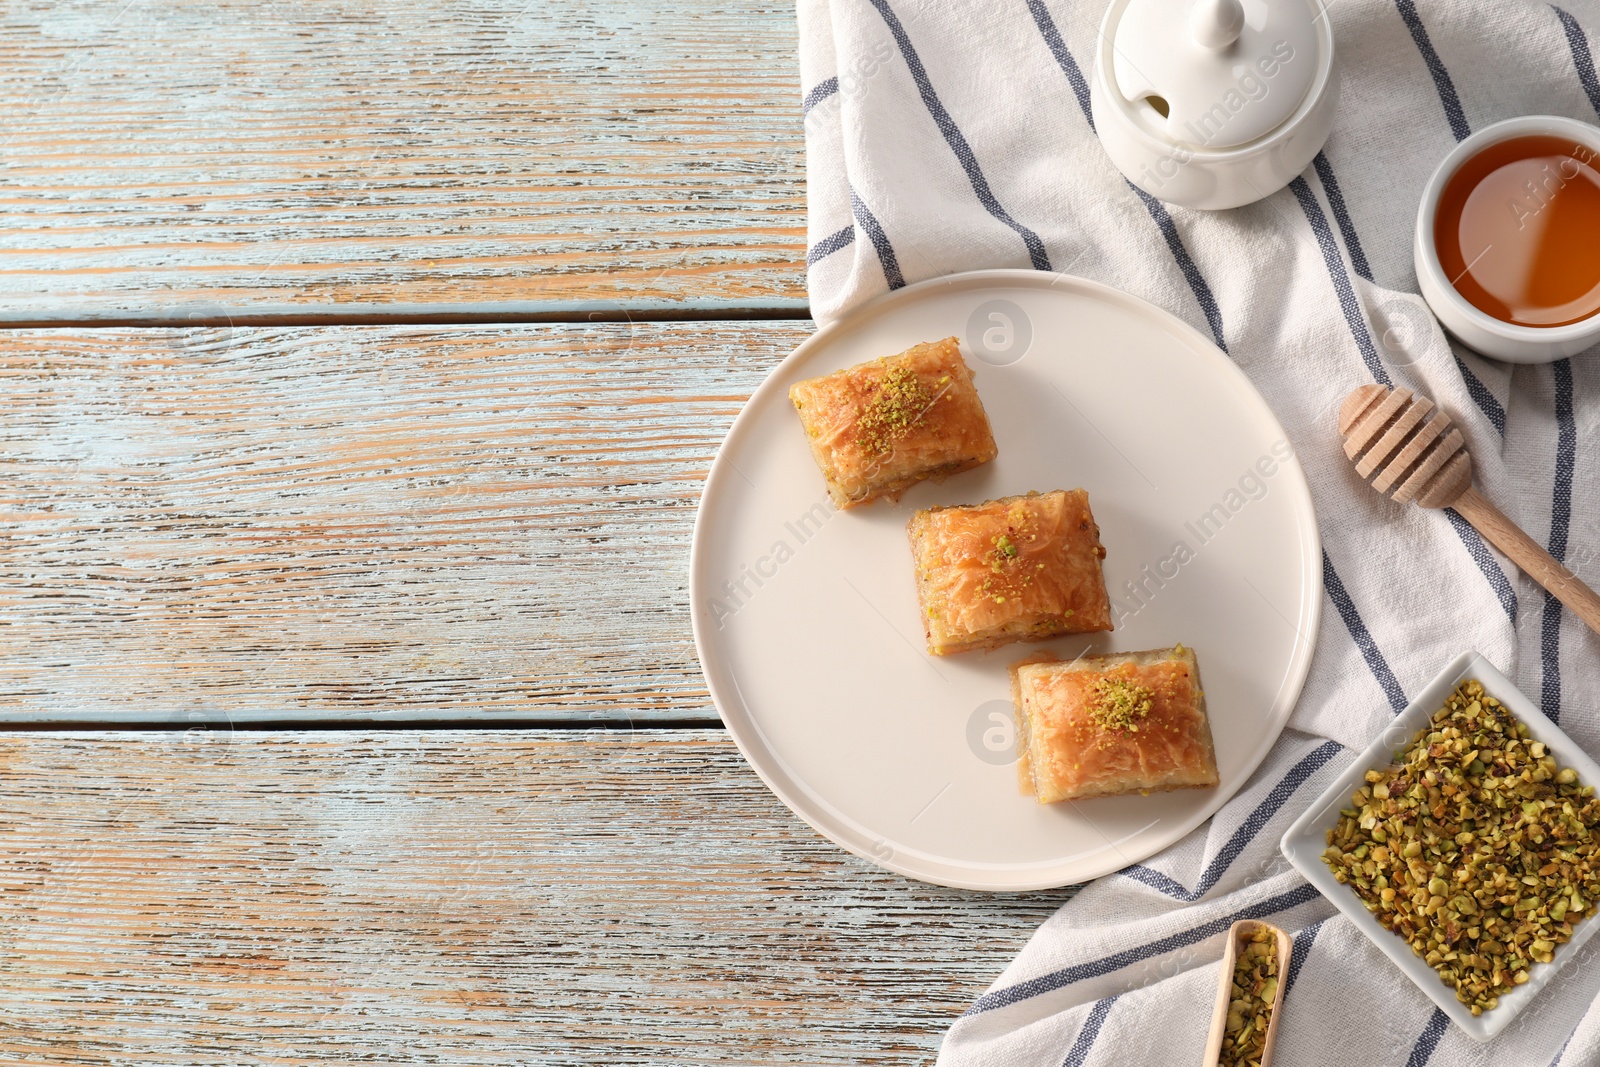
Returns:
<point x="1532" y="557"/>
<point x="360" y="522"/>
<point x="554" y="897"/>
<point x="166" y="159"/>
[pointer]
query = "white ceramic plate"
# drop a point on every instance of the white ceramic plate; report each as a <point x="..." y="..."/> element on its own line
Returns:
<point x="1307" y="838"/>
<point x="806" y="619"/>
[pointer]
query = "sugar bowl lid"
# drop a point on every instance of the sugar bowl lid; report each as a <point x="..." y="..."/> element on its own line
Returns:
<point x="1215" y="73"/>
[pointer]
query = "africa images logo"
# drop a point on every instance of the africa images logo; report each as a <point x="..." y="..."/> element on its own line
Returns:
<point x="1248" y="89"/>
<point x="1251" y="486"/>
<point x="739" y="590"/>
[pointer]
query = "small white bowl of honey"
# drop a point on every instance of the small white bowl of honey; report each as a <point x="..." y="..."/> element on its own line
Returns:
<point x="1507" y="246"/>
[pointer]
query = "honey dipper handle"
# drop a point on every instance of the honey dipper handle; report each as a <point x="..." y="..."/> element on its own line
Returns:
<point x="1527" y="553"/>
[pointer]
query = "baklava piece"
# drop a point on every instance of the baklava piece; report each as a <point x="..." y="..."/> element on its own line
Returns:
<point x="1023" y="568"/>
<point x="879" y="428"/>
<point x="1108" y="725"/>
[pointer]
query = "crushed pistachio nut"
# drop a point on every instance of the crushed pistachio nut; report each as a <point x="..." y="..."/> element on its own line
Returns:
<point x="1255" y="989"/>
<point x="1118" y="704"/>
<point x="899" y="406"/>
<point x="1008" y="575"/>
<point x="1475" y="846"/>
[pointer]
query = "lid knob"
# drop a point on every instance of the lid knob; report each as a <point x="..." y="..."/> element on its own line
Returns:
<point x="1216" y="24"/>
<point x="1215" y="74"/>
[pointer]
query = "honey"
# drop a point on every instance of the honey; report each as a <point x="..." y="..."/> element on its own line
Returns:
<point x="1518" y="231"/>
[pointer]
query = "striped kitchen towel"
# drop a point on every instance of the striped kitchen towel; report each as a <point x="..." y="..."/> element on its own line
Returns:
<point x="949" y="135"/>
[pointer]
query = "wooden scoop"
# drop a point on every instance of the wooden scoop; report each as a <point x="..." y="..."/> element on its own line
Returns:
<point x="1238" y="935"/>
<point x="1408" y="455"/>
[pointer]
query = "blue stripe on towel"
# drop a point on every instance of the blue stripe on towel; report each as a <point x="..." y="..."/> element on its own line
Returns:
<point x="954" y="138"/>
<point x="1560" y="520"/>
<point x="832" y="243"/>
<point x="1302" y="948"/>
<point x="880" y="240"/>
<point x="1341" y="215"/>
<point x="1058" y="48"/>
<point x="1161" y="883"/>
<point x="1362" y="636"/>
<point x="817" y="95"/>
<point x="1582" y="58"/>
<point x="1246" y="832"/>
<point x="1158" y="211"/>
<point x="1566" y="438"/>
<point x="1358" y="261"/>
<point x="1441" y="77"/>
<point x="1046" y="983"/>
<point x="1191" y="271"/>
<point x="1486" y="563"/>
<point x="1341" y="279"/>
<point x="1486" y="401"/>
<point x="1422" y="1051"/>
<point x="1091" y="1030"/>
<point x="1369" y="352"/>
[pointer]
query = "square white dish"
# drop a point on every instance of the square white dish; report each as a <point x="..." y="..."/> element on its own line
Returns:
<point x="1306" y="839"/>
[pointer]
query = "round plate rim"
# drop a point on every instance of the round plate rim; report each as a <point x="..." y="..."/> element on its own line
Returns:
<point x="747" y="734"/>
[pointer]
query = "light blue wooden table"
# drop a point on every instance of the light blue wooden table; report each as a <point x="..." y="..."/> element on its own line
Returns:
<point x="361" y="367"/>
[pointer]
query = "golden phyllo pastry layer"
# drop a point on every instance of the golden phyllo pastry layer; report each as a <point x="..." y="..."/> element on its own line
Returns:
<point x="1023" y="568"/>
<point x="1134" y="722"/>
<point x="881" y="427"/>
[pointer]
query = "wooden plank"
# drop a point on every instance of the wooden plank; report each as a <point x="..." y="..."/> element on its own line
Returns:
<point x="360" y="522"/>
<point x="163" y="160"/>
<point x="457" y="898"/>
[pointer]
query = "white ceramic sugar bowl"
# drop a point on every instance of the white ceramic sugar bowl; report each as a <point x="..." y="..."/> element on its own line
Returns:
<point x="1214" y="103"/>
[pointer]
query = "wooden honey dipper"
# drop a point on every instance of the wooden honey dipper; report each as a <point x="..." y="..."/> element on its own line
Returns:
<point x="1407" y="455"/>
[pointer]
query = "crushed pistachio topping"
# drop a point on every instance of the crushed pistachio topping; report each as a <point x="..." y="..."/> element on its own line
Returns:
<point x="1118" y="704"/>
<point x="901" y="403"/>
<point x="1006" y="577"/>
<point x="1255" y="989"/>
<point x="1475" y="846"/>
